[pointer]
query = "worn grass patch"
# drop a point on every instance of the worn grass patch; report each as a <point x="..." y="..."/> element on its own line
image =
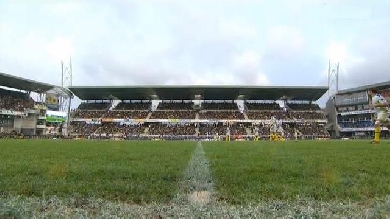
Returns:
<point x="251" y="172"/>
<point x="54" y="207"/>
<point x="133" y="172"/>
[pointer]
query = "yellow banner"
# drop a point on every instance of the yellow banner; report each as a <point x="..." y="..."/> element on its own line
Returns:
<point x="39" y="107"/>
<point x="51" y="99"/>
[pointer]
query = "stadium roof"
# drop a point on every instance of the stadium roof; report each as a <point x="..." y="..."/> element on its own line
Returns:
<point x="310" y="93"/>
<point x="19" y="83"/>
<point x="379" y="86"/>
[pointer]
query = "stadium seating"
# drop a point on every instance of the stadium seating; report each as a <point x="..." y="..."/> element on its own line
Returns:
<point x="171" y="114"/>
<point x="219" y="106"/>
<point x="83" y="128"/>
<point x="122" y="114"/>
<point x="303" y="107"/>
<point x="13" y="100"/>
<point x="220" y="111"/>
<point x="177" y="110"/>
<point x="356" y="124"/>
<point x="225" y="114"/>
<point x="118" y="129"/>
<point x="133" y="106"/>
<point x="174" y="110"/>
<point x="262" y="106"/>
<point x="212" y="129"/>
<point x="171" y="129"/>
<point x="94" y="106"/>
<point x="175" y="106"/>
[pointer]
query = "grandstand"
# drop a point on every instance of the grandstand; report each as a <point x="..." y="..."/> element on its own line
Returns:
<point x="21" y="115"/>
<point x="169" y="112"/>
<point x="196" y="112"/>
<point x="350" y="115"/>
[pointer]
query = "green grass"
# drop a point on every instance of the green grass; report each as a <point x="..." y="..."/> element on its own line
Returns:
<point x="249" y="172"/>
<point x="150" y="172"/>
<point x="134" y="172"/>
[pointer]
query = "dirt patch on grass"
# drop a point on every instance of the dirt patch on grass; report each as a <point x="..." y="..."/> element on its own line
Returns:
<point x="200" y="197"/>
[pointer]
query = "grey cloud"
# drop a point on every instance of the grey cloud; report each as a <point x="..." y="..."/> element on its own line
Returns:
<point x="374" y="66"/>
<point x="188" y="43"/>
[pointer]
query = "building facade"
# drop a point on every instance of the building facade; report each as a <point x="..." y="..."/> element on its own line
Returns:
<point x="350" y="115"/>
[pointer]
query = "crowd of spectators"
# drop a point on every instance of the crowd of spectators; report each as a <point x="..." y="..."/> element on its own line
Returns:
<point x="264" y="111"/>
<point x="303" y="106"/>
<point x="143" y="105"/>
<point x="356" y="124"/>
<point x="210" y="110"/>
<point x="174" y="110"/>
<point x="124" y="110"/>
<point x="219" y="106"/>
<point x="83" y="128"/>
<point x="92" y="110"/>
<point x="222" y="129"/>
<point x="172" y="129"/>
<point x="262" y="106"/>
<point x="309" y="129"/>
<point x="306" y="129"/>
<point x="355" y="121"/>
<point x="94" y="106"/>
<point x="122" y="114"/>
<point x="183" y="105"/>
<point x="230" y="114"/>
<point x="88" y="114"/>
<point x="173" y="114"/>
<point x="13" y="100"/>
<point x="120" y="129"/>
<point x="264" y="115"/>
<point x="212" y="129"/>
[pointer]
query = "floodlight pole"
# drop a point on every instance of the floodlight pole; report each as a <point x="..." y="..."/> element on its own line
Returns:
<point x="66" y="81"/>
<point x="333" y="78"/>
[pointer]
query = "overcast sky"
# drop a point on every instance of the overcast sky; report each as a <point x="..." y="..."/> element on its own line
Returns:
<point x="243" y="42"/>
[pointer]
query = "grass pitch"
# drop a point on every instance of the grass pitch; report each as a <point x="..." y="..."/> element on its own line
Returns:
<point x="137" y="172"/>
<point x="306" y="179"/>
<point x="250" y="172"/>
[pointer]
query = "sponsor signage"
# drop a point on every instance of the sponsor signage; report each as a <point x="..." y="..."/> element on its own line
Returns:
<point x="357" y="112"/>
<point x="12" y="113"/>
<point x="351" y="99"/>
<point x="138" y="121"/>
<point x="56" y="116"/>
<point x="359" y="129"/>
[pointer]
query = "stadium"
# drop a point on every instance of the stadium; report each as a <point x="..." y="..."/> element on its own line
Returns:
<point x="350" y="115"/>
<point x="169" y="112"/>
<point x="188" y="152"/>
